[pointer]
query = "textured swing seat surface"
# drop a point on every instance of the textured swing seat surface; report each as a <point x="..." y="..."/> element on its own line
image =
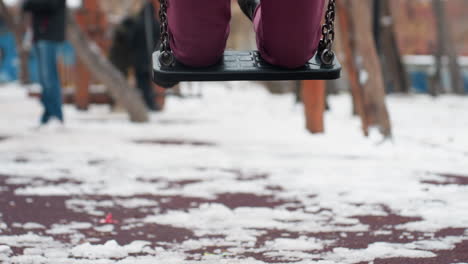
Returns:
<point x="243" y="66"/>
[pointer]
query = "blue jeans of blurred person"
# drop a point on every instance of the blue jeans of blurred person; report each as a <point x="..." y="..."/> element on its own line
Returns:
<point x="51" y="99"/>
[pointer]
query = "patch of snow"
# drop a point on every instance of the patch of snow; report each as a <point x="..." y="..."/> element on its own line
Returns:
<point x="136" y="203"/>
<point x="222" y="220"/>
<point x="447" y="243"/>
<point x="377" y="250"/>
<point x="68" y="228"/>
<point x="88" y="206"/>
<point x="299" y="244"/>
<point x="110" y="250"/>
<point x="104" y="228"/>
<point x="53" y="254"/>
<point x="28" y="259"/>
<point x="59" y="190"/>
<point x="5" y="250"/>
<point x="33" y="226"/>
<point x="32" y="251"/>
<point x="29" y="239"/>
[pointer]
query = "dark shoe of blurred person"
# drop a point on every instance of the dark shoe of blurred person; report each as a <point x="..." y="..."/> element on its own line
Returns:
<point x="48" y="23"/>
<point x="120" y="54"/>
<point x="249" y="7"/>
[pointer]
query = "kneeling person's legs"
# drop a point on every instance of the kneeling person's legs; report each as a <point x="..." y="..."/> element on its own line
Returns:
<point x="288" y="33"/>
<point x="199" y="30"/>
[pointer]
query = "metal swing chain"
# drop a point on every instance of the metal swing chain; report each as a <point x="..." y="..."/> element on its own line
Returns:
<point x="166" y="58"/>
<point x="325" y="51"/>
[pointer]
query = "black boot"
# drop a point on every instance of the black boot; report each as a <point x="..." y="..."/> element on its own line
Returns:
<point x="248" y="7"/>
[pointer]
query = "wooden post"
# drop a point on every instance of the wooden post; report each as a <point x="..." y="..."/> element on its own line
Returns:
<point x="93" y="22"/>
<point x="394" y="69"/>
<point x="446" y="45"/>
<point x="313" y="96"/>
<point x="82" y="98"/>
<point x="345" y="31"/>
<point x="160" y="97"/>
<point x="374" y="91"/>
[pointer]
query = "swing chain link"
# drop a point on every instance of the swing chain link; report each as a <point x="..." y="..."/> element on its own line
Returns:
<point x="166" y="58"/>
<point x="325" y="51"/>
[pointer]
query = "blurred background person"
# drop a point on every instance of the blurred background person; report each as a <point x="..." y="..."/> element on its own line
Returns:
<point x="48" y="24"/>
<point x="134" y="40"/>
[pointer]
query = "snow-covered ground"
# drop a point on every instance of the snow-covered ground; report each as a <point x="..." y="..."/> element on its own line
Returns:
<point x="233" y="177"/>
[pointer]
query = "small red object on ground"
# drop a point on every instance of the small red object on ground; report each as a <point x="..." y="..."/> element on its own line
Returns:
<point x="108" y="220"/>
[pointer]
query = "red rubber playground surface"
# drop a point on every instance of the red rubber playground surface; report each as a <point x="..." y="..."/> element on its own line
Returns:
<point x="57" y="222"/>
<point x="209" y="182"/>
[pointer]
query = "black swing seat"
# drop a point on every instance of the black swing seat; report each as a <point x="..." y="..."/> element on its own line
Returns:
<point x="242" y="66"/>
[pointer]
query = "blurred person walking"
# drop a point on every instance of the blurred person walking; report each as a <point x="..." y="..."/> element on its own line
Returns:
<point x="48" y="23"/>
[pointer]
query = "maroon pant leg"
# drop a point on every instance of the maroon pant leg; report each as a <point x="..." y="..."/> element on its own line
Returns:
<point x="199" y="30"/>
<point x="288" y="32"/>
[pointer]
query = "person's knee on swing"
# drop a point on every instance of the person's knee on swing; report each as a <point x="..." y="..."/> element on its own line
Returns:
<point x="287" y="35"/>
<point x="292" y="43"/>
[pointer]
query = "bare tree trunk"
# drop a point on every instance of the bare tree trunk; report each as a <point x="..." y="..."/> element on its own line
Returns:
<point x="17" y="28"/>
<point x="23" y="54"/>
<point x="374" y="90"/>
<point x="446" y="45"/>
<point x="105" y="72"/>
<point x="345" y="31"/>
<point x="435" y="80"/>
<point x="393" y="65"/>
